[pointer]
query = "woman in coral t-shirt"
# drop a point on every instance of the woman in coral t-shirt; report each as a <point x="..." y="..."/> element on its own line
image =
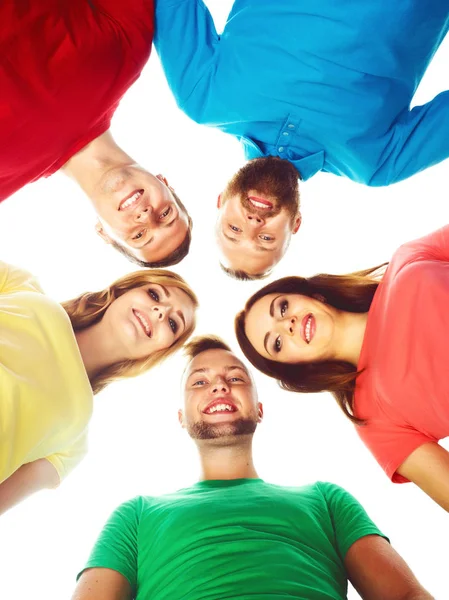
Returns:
<point x="376" y="339"/>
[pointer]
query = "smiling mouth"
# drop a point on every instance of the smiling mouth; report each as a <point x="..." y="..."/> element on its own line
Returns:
<point x="260" y="203"/>
<point x="308" y="327"/>
<point x="220" y="406"/>
<point x="143" y="322"/>
<point x="131" y="200"/>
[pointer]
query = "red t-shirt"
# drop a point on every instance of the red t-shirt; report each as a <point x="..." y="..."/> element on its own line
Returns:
<point x="404" y="390"/>
<point x="64" y="66"/>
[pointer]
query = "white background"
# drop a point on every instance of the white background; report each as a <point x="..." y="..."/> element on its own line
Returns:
<point x="136" y="445"/>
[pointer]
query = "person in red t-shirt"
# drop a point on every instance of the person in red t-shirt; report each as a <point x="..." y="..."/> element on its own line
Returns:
<point x="64" y="66"/>
<point x="377" y="340"/>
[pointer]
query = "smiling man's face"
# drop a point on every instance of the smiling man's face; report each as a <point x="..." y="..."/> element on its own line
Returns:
<point x="220" y="397"/>
<point x="258" y="213"/>
<point x="139" y="212"/>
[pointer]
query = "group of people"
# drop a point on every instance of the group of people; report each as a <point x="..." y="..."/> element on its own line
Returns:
<point x="305" y="87"/>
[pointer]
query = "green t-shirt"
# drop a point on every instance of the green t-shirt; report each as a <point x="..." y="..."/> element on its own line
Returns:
<point x="243" y="539"/>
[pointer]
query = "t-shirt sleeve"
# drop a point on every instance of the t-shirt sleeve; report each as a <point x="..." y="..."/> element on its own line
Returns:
<point x="434" y="246"/>
<point x="391" y="444"/>
<point x="15" y="279"/>
<point x="116" y="547"/>
<point x="65" y="462"/>
<point x="349" y="518"/>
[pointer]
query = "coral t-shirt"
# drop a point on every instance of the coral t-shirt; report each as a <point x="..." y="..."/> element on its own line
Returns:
<point x="404" y="389"/>
<point x="64" y="67"/>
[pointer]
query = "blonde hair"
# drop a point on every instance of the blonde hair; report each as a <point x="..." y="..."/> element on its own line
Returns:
<point x="89" y="308"/>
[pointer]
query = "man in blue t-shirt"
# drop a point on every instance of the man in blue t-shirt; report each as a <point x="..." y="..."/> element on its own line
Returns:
<point x="232" y="535"/>
<point x="320" y="86"/>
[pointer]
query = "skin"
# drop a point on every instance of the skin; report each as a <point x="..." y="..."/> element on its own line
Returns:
<point x="251" y="241"/>
<point x="120" y="335"/>
<point x="274" y="328"/>
<point x="218" y="375"/>
<point x="153" y="226"/>
<point x="373" y="567"/>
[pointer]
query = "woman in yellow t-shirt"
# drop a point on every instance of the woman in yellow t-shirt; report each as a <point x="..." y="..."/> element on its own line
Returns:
<point x="54" y="357"/>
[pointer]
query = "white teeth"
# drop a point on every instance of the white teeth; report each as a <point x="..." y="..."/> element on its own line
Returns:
<point x="220" y="408"/>
<point x="144" y="322"/>
<point x="307" y="329"/>
<point x="131" y="200"/>
<point x="259" y="204"/>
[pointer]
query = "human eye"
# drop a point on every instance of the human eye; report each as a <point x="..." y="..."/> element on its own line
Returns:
<point x="173" y="325"/>
<point x="265" y="237"/>
<point x="139" y="235"/>
<point x="199" y="383"/>
<point x="235" y="228"/>
<point x="166" y="212"/>
<point x="154" y="295"/>
<point x="277" y="344"/>
<point x="283" y="307"/>
<point x="235" y="379"/>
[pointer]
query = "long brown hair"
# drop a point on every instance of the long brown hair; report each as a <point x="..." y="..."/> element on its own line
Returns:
<point x="89" y="308"/>
<point x="353" y="292"/>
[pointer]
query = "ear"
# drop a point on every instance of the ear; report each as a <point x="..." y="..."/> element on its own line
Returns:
<point x="297" y="223"/>
<point x="181" y="418"/>
<point x="219" y="201"/>
<point x="320" y="298"/>
<point x="164" y="181"/>
<point x="101" y="232"/>
<point x="260" y="412"/>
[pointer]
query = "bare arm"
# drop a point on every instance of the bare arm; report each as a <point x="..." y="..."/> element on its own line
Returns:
<point x="102" y="583"/>
<point x="428" y="467"/>
<point x="27" y="480"/>
<point x="378" y="572"/>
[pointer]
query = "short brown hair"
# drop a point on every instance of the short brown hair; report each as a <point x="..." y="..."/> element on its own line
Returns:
<point x="243" y="275"/>
<point x="201" y="343"/>
<point x="171" y="259"/>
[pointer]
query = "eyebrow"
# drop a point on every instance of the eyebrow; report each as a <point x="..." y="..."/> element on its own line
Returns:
<point x="227" y="369"/>
<point x="231" y="239"/>
<point x="272" y="305"/>
<point x="265" y="340"/>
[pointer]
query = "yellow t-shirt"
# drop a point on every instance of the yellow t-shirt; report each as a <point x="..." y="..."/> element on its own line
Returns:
<point x="45" y="396"/>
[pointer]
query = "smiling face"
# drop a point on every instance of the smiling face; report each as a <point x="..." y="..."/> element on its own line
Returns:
<point x="148" y="319"/>
<point x="138" y="211"/>
<point x="292" y="328"/>
<point x="258" y="213"/>
<point x="220" y="397"/>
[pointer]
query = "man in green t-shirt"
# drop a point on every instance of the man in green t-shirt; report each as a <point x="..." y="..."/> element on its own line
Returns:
<point x="233" y="536"/>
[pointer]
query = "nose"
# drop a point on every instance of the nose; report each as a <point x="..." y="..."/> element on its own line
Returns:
<point x="143" y="214"/>
<point x="220" y="386"/>
<point x="290" y="325"/>
<point x="161" y="311"/>
<point x="254" y="220"/>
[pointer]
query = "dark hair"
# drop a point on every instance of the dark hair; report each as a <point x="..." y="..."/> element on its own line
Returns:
<point x="353" y="292"/>
<point x="171" y="259"/>
<point x="243" y="275"/>
<point x="201" y="343"/>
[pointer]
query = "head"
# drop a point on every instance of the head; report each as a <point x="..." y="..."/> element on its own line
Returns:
<point x="147" y="315"/>
<point x="258" y="212"/>
<point x="292" y="329"/>
<point x="141" y="216"/>
<point x="220" y="398"/>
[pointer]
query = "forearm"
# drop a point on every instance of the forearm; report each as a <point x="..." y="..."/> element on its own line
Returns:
<point x="24" y="482"/>
<point x="186" y="41"/>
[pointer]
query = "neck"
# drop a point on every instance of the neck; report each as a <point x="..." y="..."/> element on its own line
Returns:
<point x="96" y="349"/>
<point x="229" y="461"/>
<point x="353" y="328"/>
<point x="88" y="166"/>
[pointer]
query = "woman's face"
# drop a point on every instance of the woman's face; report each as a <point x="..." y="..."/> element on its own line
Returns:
<point x="291" y="328"/>
<point x="148" y="319"/>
